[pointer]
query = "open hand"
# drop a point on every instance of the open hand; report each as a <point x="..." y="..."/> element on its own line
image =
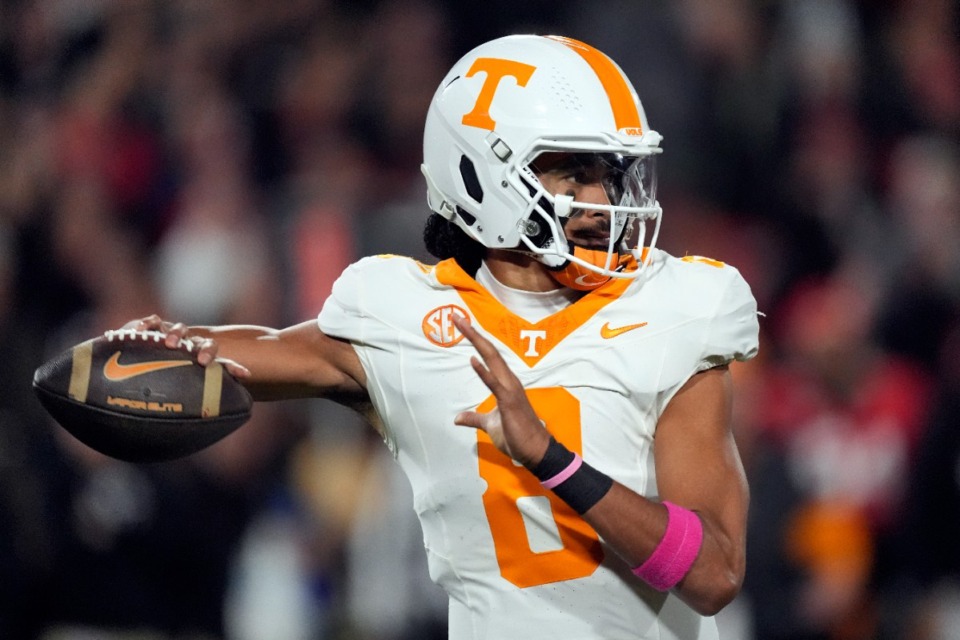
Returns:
<point x="513" y="426"/>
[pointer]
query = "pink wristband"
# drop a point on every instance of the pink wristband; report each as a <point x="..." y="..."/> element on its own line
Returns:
<point x="677" y="551"/>
<point x="568" y="471"/>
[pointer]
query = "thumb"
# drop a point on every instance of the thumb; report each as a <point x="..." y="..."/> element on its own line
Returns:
<point x="469" y="419"/>
<point x="236" y="369"/>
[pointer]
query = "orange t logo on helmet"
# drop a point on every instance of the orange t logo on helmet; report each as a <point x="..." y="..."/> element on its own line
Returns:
<point x="496" y="69"/>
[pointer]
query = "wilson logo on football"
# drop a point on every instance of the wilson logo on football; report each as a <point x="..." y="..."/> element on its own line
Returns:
<point x="438" y="325"/>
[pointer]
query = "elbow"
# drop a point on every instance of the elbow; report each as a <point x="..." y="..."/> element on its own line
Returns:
<point x="709" y="592"/>
<point x="718" y="581"/>
<point x="722" y="592"/>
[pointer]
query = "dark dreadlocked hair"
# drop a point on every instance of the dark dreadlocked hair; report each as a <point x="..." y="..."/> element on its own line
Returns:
<point x="444" y="239"/>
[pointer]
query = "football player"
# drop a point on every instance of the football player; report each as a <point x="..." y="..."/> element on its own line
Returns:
<point x="555" y="388"/>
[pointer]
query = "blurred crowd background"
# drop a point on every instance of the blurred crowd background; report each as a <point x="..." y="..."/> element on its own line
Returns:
<point x="220" y="161"/>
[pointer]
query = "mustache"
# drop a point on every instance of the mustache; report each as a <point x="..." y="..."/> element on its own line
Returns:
<point x="597" y="229"/>
<point x="601" y="223"/>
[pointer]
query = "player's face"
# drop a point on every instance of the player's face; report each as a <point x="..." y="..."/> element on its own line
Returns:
<point x="586" y="178"/>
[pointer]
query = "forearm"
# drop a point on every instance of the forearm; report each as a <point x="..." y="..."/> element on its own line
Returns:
<point x="232" y="332"/>
<point x="296" y="362"/>
<point x="262" y="352"/>
<point x="634" y="526"/>
<point x="668" y="545"/>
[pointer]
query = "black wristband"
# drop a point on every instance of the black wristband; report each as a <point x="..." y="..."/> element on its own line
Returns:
<point x="581" y="486"/>
<point x="556" y="459"/>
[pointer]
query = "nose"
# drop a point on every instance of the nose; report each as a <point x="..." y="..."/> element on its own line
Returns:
<point x="592" y="193"/>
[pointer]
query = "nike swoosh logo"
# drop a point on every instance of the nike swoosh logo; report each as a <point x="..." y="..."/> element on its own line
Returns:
<point x="588" y="281"/>
<point x="117" y="372"/>
<point x="607" y="332"/>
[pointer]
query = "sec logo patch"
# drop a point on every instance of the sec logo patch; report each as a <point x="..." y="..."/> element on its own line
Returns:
<point x="438" y="325"/>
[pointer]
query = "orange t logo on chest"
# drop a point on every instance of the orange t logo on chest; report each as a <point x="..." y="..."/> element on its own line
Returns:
<point x="496" y="69"/>
<point x="532" y="338"/>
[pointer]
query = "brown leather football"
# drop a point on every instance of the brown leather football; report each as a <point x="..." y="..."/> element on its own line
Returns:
<point x="130" y="397"/>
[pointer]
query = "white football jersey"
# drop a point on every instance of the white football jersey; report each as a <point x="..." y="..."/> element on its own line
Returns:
<point x="516" y="561"/>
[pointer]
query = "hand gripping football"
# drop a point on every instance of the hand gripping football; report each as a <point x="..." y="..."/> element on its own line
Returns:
<point x="130" y="397"/>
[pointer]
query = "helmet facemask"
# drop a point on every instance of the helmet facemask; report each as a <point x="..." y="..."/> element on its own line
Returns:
<point x="629" y="183"/>
<point x="505" y="104"/>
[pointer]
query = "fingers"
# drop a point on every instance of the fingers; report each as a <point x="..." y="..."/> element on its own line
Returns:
<point x="483" y="346"/>
<point x="485" y="375"/>
<point x="175" y="335"/>
<point x="235" y="369"/>
<point x="489" y="423"/>
<point x="150" y="323"/>
<point x="493" y="369"/>
<point x="513" y="425"/>
<point x="207" y="349"/>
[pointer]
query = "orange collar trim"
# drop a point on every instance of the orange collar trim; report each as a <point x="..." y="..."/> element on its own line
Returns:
<point x="531" y="341"/>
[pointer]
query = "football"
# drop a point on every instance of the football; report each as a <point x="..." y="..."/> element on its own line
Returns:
<point x="130" y="397"/>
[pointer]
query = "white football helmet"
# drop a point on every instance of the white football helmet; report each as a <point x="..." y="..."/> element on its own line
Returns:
<point x="514" y="98"/>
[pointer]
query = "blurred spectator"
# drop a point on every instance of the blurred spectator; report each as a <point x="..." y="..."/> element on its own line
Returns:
<point x="922" y="40"/>
<point x="314" y="209"/>
<point x="930" y="562"/>
<point x="389" y="593"/>
<point x="840" y="425"/>
<point x="26" y="555"/>
<point x="922" y="201"/>
<point x="212" y="261"/>
<point x="393" y="106"/>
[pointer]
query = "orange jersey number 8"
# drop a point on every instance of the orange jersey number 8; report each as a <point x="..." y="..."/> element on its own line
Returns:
<point x="506" y="483"/>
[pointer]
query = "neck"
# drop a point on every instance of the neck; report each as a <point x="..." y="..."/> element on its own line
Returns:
<point x="518" y="271"/>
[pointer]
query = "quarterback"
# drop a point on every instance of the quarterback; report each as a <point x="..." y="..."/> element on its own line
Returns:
<point x="555" y="387"/>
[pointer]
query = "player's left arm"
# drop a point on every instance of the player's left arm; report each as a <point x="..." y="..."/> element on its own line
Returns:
<point x="698" y="468"/>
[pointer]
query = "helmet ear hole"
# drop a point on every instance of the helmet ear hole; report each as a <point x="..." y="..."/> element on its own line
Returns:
<point x="470" y="180"/>
<point x="466" y="216"/>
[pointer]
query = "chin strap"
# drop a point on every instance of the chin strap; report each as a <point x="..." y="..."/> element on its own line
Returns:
<point x="579" y="277"/>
